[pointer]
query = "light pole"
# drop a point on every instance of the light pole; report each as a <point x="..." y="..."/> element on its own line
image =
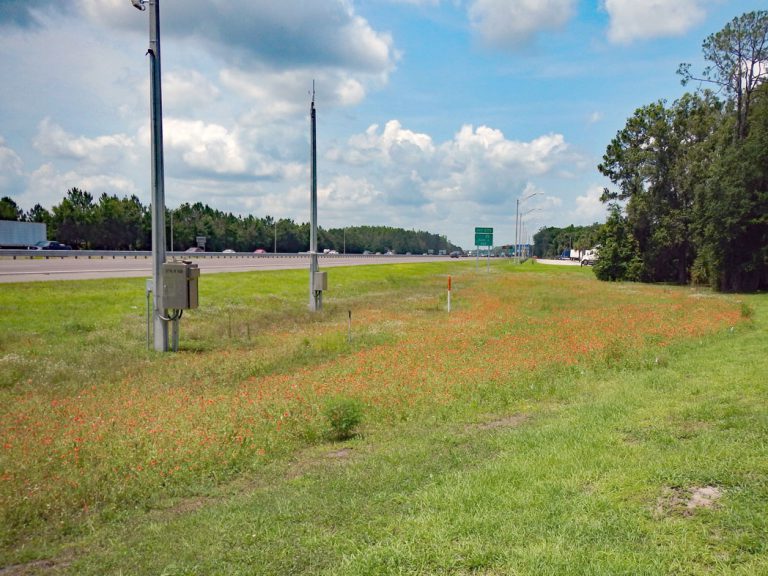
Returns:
<point x="157" y="177"/>
<point x="524" y="236"/>
<point x="315" y="295"/>
<point x="517" y="223"/>
<point x="275" y="250"/>
<point x="345" y="241"/>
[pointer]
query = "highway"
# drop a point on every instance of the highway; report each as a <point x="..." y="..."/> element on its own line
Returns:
<point x="82" y="265"/>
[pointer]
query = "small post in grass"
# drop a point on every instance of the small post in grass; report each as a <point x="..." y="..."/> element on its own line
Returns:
<point x="449" y="294"/>
<point x="349" y="326"/>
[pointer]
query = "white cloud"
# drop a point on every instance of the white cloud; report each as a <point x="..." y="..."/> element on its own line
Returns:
<point x="490" y="148"/>
<point x="511" y="23"/>
<point x="285" y="34"/>
<point x="205" y="147"/>
<point x="53" y="141"/>
<point x="641" y="20"/>
<point x="187" y="89"/>
<point x="589" y="209"/>
<point x="595" y="117"/>
<point x="478" y="165"/>
<point x="345" y="193"/>
<point x="47" y="186"/>
<point x="283" y="94"/>
<point x="392" y="144"/>
<point x="10" y="162"/>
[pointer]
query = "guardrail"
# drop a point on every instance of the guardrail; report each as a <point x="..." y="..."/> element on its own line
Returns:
<point x="125" y="254"/>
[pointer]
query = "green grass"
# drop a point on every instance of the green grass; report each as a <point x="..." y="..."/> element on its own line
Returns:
<point x="558" y="467"/>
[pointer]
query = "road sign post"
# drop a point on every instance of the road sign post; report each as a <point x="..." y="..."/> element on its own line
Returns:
<point x="483" y="237"/>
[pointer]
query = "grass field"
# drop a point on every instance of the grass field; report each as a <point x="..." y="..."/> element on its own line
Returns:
<point x="550" y="424"/>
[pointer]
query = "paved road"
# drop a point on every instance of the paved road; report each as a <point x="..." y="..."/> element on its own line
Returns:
<point x="35" y="270"/>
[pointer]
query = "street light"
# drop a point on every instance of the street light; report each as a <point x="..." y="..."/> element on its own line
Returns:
<point x="517" y="223"/>
<point x="524" y="236"/>
<point x="157" y="177"/>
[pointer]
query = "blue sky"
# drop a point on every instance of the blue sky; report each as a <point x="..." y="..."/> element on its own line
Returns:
<point x="432" y="114"/>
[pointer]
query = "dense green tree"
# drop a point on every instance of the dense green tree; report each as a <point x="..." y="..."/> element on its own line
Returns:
<point x="72" y="220"/>
<point x="9" y="210"/>
<point x="552" y="242"/>
<point x="115" y="223"/>
<point x="732" y="207"/>
<point x="738" y="56"/>
<point x="118" y="224"/>
<point x="39" y="214"/>
<point x="657" y="160"/>
<point x="619" y="256"/>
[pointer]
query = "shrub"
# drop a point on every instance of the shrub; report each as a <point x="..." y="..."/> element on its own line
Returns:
<point x="344" y="415"/>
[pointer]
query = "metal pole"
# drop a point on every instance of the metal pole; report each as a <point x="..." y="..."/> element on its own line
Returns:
<point x="517" y="220"/>
<point x="275" y="250"/>
<point x="171" y="212"/>
<point x="158" y="186"/>
<point x="315" y="296"/>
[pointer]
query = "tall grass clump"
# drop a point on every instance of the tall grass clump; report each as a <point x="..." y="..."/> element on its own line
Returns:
<point x="344" y="415"/>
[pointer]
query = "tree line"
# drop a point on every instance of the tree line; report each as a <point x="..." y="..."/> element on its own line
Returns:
<point x="551" y="242"/>
<point x="112" y="223"/>
<point x="691" y="196"/>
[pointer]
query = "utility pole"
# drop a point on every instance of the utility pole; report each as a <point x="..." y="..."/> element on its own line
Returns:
<point x="518" y="222"/>
<point x="157" y="177"/>
<point x="517" y="228"/>
<point x="315" y="295"/>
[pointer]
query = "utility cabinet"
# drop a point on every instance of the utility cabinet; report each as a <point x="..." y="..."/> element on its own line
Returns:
<point x="320" y="281"/>
<point x="180" y="285"/>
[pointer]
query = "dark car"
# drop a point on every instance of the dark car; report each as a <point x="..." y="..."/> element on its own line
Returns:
<point x="50" y="245"/>
<point x="455" y="254"/>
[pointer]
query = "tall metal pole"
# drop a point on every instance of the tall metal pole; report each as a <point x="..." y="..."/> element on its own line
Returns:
<point x="517" y="225"/>
<point x="275" y="250"/>
<point x="158" y="178"/>
<point x="315" y="296"/>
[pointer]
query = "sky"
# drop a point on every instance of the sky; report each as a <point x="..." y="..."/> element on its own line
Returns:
<point x="437" y="115"/>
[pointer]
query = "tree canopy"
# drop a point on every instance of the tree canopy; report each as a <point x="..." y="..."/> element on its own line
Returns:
<point x="112" y="223"/>
<point x="691" y="176"/>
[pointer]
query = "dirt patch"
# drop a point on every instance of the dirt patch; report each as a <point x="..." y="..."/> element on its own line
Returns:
<point x="34" y="568"/>
<point x="307" y="462"/>
<point x="340" y="454"/>
<point x="685" y="501"/>
<point x="688" y="430"/>
<point x="183" y="506"/>
<point x="507" y="422"/>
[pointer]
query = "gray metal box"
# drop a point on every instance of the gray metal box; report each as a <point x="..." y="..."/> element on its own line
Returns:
<point x="320" y="281"/>
<point x="180" y="285"/>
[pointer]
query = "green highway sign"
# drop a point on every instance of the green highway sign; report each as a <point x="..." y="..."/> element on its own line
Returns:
<point x="483" y="236"/>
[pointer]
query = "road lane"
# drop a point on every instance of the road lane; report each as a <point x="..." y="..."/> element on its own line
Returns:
<point x="68" y="268"/>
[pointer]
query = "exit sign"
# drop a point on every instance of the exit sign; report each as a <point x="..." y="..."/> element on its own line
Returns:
<point x="483" y="236"/>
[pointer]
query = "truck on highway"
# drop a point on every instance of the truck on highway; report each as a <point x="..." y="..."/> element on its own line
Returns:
<point x="17" y="235"/>
<point x="589" y="257"/>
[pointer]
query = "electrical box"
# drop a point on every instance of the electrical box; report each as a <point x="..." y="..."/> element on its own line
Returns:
<point x="320" y="281"/>
<point x="180" y="285"/>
